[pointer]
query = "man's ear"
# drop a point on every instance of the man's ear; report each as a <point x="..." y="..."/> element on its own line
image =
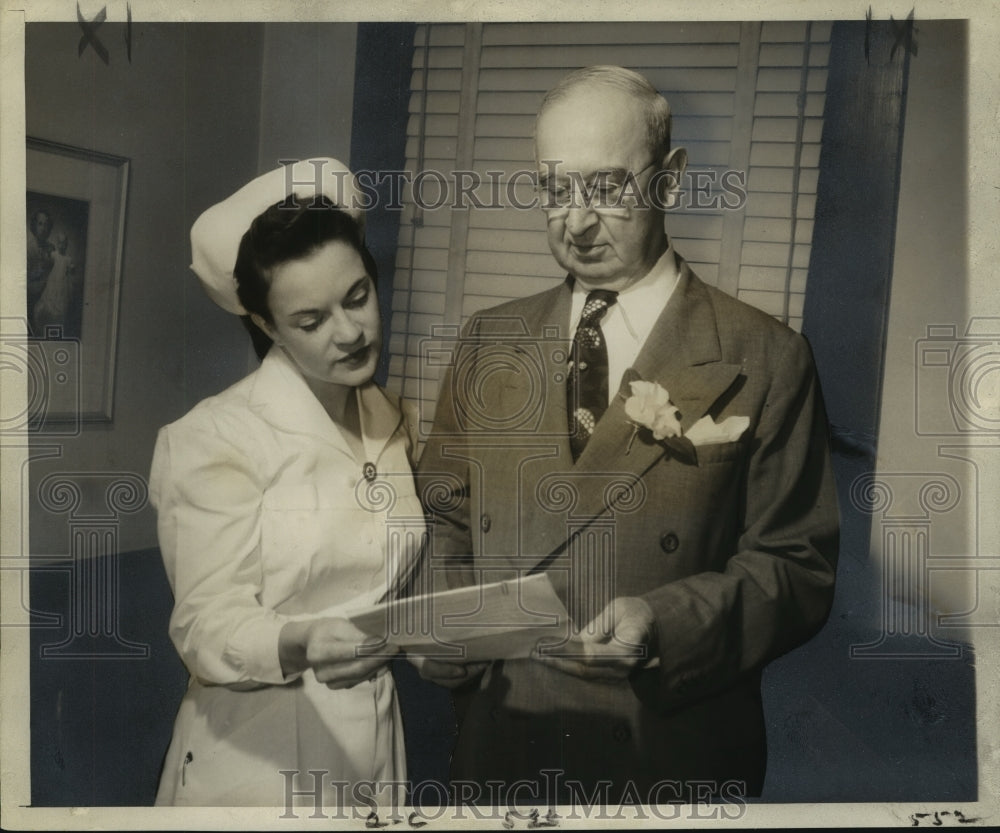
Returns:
<point x="668" y="181"/>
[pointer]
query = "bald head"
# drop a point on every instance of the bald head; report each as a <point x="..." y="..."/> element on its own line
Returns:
<point x="653" y="110"/>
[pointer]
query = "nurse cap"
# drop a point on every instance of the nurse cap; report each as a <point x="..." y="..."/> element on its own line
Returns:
<point x="216" y="234"/>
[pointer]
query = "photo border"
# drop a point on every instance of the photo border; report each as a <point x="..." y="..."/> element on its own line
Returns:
<point x="980" y="289"/>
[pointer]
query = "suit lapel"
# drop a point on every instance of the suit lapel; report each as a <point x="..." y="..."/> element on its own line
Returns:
<point x="683" y="355"/>
<point x="539" y="448"/>
<point x="554" y="318"/>
<point x="541" y="337"/>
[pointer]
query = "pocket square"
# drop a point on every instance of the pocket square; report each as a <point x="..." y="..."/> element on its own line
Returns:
<point x="706" y="431"/>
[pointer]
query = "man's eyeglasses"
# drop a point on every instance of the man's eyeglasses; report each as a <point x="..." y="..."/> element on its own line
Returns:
<point x="606" y="192"/>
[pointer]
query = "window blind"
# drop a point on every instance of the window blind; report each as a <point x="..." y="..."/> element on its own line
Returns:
<point x="746" y="97"/>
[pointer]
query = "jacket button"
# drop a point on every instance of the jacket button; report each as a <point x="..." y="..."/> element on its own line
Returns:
<point x="669" y="542"/>
<point x="621" y="732"/>
<point x="485" y="522"/>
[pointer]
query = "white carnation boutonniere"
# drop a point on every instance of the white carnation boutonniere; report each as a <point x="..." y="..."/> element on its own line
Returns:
<point x="650" y="407"/>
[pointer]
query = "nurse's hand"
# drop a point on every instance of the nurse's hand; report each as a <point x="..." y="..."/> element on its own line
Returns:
<point x="445" y="673"/>
<point x="340" y="654"/>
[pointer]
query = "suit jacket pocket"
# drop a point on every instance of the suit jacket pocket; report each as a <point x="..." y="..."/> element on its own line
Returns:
<point x="718" y="453"/>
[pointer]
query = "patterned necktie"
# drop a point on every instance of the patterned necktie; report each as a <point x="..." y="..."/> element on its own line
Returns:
<point x="587" y="380"/>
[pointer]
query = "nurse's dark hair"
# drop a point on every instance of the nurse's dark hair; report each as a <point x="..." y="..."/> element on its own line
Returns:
<point x="285" y="232"/>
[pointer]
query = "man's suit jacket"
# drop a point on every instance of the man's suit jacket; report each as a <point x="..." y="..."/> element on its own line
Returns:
<point x="733" y="546"/>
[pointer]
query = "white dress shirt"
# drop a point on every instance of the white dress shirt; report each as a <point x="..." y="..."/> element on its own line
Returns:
<point x="628" y="322"/>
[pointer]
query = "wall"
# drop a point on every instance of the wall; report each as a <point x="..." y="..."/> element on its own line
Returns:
<point x="932" y="286"/>
<point x="307" y="97"/>
<point x="192" y="113"/>
<point x="735" y="93"/>
<point x="881" y="705"/>
<point x="199" y="110"/>
<point x="921" y="447"/>
<point x="185" y="111"/>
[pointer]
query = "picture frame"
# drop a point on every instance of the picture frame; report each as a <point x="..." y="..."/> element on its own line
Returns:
<point x="76" y="201"/>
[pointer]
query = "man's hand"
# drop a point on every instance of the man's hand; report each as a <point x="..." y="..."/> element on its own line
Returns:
<point x="602" y="654"/>
<point x="445" y="673"/>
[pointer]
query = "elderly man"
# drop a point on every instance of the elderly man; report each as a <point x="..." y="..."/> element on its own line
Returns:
<point x="716" y="550"/>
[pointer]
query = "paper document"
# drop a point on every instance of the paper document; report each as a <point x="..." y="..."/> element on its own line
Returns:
<point x="501" y="620"/>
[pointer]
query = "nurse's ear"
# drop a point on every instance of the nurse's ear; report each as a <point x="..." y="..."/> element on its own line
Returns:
<point x="265" y="327"/>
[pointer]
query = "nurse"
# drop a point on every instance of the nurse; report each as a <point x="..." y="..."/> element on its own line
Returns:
<point x="266" y="520"/>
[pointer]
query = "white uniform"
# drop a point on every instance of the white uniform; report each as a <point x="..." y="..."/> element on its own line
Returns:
<point x="264" y="516"/>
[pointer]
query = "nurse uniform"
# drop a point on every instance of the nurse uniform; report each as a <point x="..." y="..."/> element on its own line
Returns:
<point x="264" y="516"/>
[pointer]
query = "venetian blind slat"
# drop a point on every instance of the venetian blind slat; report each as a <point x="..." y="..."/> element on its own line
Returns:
<point x="624" y="36"/>
<point x="505" y="252"/>
<point x="652" y="57"/>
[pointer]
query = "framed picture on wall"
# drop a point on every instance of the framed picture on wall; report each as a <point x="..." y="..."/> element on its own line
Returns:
<point x="75" y="210"/>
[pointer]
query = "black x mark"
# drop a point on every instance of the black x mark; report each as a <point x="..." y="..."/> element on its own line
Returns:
<point x="903" y="32"/>
<point x="89" y="29"/>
